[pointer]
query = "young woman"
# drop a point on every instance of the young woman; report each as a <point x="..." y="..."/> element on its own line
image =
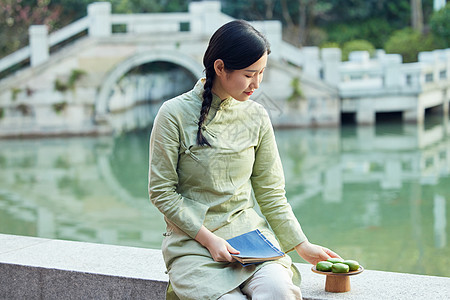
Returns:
<point x="213" y="158"/>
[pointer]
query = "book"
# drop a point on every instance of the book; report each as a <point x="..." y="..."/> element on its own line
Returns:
<point x="254" y="247"/>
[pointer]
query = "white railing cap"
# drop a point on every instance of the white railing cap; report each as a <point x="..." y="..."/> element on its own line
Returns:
<point x="205" y="7"/>
<point x="359" y="56"/>
<point x="38" y="30"/>
<point x="99" y="7"/>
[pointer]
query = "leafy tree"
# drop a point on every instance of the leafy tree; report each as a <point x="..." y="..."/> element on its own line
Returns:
<point x="376" y="30"/>
<point x="72" y="9"/>
<point x="148" y="6"/>
<point x="409" y="42"/>
<point x="417" y="15"/>
<point x="440" y="24"/>
<point x="75" y="9"/>
<point x="372" y="20"/>
<point x="16" y="16"/>
<point x="305" y="22"/>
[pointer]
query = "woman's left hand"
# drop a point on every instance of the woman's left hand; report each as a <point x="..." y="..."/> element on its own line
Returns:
<point x="314" y="253"/>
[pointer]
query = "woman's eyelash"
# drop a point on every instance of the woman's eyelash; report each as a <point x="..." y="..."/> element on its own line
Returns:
<point x="250" y="76"/>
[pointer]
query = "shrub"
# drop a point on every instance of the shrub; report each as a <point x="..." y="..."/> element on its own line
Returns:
<point x="356" y="45"/>
<point x="374" y="30"/>
<point x="440" y="24"/>
<point x="409" y="43"/>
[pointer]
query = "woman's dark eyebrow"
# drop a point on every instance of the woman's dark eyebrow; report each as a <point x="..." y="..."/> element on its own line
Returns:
<point x="253" y="71"/>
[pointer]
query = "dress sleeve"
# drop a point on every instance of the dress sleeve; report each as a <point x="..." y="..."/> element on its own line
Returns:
<point x="268" y="185"/>
<point x="185" y="213"/>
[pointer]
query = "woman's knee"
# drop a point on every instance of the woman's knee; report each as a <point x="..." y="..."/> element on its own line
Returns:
<point x="273" y="281"/>
<point x="278" y="289"/>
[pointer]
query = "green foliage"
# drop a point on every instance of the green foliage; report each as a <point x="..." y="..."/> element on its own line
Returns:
<point x="148" y="6"/>
<point x="396" y="12"/>
<point x="329" y="45"/>
<point x="2" y="112"/>
<point x="440" y="24"/>
<point x="342" y="33"/>
<point x="17" y="16"/>
<point x="376" y="31"/>
<point x="310" y="22"/>
<point x="59" y="107"/>
<point x="316" y="36"/>
<point x="409" y="43"/>
<point x="297" y="93"/>
<point x="72" y="10"/>
<point x="356" y="45"/>
<point x="14" y="92"/>
<point x="62" y="87"/>
<point x="75" y="75"/>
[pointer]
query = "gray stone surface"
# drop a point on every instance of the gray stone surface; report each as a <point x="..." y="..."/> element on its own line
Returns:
<point x="35" y="268"/>
<point x="25" y="282"/>
<point x="102" y="259"/>
<point x="377" y="285"/>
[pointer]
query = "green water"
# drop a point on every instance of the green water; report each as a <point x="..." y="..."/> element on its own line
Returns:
<point x="379" y="195"/>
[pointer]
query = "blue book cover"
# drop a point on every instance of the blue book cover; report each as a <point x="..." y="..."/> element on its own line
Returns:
<point x="254" y="247"/>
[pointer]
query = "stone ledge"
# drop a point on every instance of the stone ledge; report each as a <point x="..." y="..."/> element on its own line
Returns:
<point x="36" y="268"/>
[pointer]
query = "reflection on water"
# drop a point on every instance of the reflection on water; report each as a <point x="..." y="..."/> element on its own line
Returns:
<point x="86" y="189"/>
<point x="375" y="194"/>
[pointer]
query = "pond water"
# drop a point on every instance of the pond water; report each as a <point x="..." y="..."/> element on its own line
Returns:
<point x="379" y="195"/>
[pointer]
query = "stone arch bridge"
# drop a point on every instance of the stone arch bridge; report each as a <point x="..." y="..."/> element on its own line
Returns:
<point x="72" y="81"/>
<point x="68" y="89"/>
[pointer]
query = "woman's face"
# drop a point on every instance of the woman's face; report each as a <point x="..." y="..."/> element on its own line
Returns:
<point x="239" y="84"/>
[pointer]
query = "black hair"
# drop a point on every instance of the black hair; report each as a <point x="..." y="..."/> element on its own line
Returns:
<point x="238" y="44"/>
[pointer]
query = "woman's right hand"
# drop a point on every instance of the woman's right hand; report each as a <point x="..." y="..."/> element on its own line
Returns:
<point x="219" y="248"/>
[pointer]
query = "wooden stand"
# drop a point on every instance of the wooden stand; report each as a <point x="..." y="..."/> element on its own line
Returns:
<point x="337" y="282"/>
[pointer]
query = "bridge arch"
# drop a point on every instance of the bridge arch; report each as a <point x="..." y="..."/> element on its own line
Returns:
<point x="172" y="56"/>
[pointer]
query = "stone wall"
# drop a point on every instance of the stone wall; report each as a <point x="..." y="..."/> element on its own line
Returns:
<point x="36" y="268"/>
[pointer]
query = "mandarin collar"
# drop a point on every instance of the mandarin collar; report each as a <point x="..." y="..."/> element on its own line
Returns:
<point x="216" y="103"/>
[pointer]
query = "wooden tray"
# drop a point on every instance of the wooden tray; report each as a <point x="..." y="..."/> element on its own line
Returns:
<point x="337" y="282"/>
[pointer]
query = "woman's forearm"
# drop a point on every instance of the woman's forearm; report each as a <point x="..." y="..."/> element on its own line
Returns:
<point x="219" y="248"/>
<point x="204" y="236"/>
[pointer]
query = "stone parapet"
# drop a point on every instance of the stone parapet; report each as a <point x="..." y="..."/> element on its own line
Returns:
<point x="32" y="268"/>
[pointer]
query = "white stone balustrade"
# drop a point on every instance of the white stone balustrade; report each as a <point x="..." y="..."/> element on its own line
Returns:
<point x="365" y="85"/>
<point x="38" y="44"/>
<point x="99" y="14"/>
<point x="386" y="71"/>
<point x="312" y="63"/>
<point x="331" y="58"/>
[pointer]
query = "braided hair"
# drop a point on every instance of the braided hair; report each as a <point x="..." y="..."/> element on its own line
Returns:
<point x="238" y="44"/>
